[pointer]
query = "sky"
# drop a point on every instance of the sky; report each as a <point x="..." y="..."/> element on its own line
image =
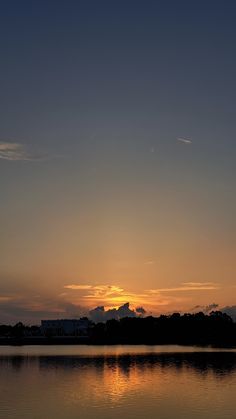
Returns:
<point x="117" y="156"/>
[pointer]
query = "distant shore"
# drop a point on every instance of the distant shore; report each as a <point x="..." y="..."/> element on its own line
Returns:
<point x="42" y="340"/>
<point x="84" y="340"/>
<point x="216" y="330"/>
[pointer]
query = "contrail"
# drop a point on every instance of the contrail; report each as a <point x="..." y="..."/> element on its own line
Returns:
<point x="184" y="140"/>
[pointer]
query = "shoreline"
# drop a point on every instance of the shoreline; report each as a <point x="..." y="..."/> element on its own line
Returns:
<point x="84" y="340"/>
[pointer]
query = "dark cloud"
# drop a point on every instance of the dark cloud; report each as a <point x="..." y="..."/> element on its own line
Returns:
<point x="205" y="309"/>
<point x="141" y="311"/>
<point x="99" y="314"/>
<point x="32" y="309"/>
<point x="211" y="307"/>
<point x="230" y="310"/>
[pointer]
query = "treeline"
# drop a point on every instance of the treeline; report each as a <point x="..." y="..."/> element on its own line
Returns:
<point x="19" y="330"/>
<point x="217" y="328"/>
<point x="191" y="329"/>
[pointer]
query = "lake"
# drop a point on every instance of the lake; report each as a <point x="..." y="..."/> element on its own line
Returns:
<point x="111" y="382"/>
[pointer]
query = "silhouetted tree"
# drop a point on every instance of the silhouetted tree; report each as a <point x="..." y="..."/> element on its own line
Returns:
<point x="18" y="330"/>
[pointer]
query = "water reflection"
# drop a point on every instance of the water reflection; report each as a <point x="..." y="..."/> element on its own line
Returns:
<point x="219" y="363"/>
<point x="128" y="385"/>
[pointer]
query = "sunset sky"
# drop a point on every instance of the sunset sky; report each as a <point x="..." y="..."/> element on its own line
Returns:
<point x="117" y="156"/>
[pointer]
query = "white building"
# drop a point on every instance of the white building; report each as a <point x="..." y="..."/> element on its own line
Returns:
<point x="65" y="327"/>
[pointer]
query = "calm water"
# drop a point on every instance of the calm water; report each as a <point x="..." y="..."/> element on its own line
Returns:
<point x="68" y="382"/>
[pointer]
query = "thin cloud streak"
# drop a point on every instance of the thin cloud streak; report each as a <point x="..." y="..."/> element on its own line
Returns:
<point x="78" y="287"/>
<point x="187" y="286"/>
<point x="199" y="284"/>
<point x="184" y="140"/>
<point x="150" y="262"/>
<point x="4" y="298"/>
<point x="18" y="152"/>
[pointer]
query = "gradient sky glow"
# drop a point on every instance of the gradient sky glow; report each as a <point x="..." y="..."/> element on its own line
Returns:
<point x="117" y="155"/>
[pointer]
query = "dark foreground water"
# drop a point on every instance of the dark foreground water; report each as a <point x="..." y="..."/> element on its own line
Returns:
<point x="68" y="382"/>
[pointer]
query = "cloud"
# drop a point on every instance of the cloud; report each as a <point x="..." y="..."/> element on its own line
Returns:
<point x="30" y="308"/>
<point x="187" y="286"/>
<point x="97" y="291"/>
<point x="104" y="290"/>
<point x="211" y="307"/>
<point x="184" y="140"/>
<point x="230" y="310"/>
<point x="78" y="287"/>
<point x="4" y="298"/>
<point x="140" y="310"/>
<point x="76" y="300"/>
<point x="198" y="284"/>
<point x="99" y="314"/>
<point x="18" y="152"/>
<point x="104" y="294"/>
<point x="205" y="309"/>
<point x="113" y="295"/>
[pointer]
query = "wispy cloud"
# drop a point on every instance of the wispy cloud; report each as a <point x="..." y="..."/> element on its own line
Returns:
<point x="201" y="284"/>
<point x="96" y="290"/>
<point x="78" y="287"/>
<point x="104" y="291"/>
<point x="149" y="262"/>
<point x="187" y="286"/>
<point x="184" y="140"/>
<point x="113" y="295"/>
<point x="4" y="298"/>
<point x="18" y="152"/>
<point x="104" y="294"/>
